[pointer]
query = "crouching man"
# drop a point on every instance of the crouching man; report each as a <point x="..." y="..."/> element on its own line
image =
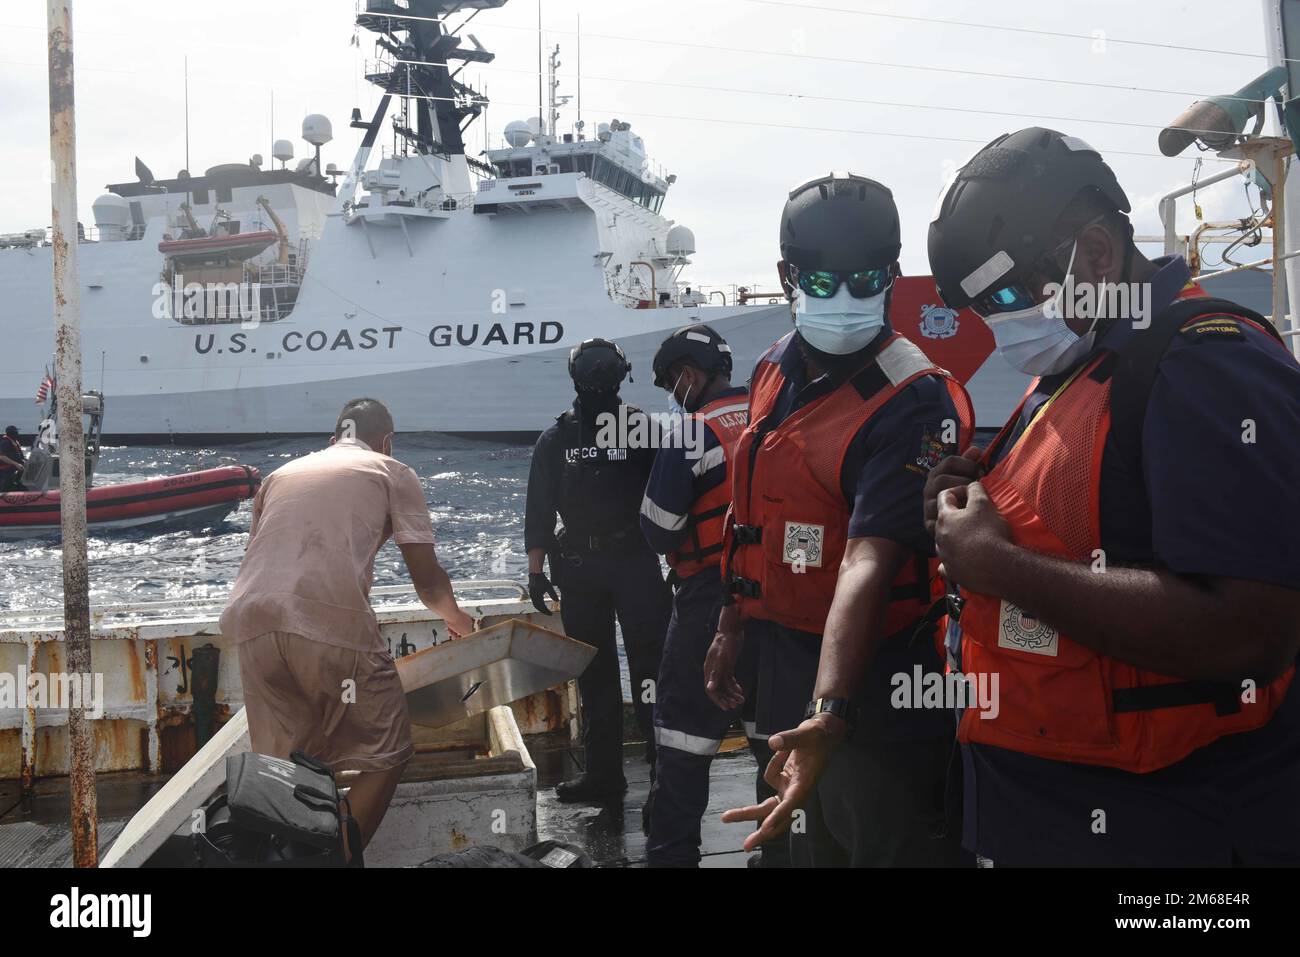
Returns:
<point x="316" y="675"/>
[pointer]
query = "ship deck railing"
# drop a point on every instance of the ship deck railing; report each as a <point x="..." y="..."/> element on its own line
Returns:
<point x="23" y="623"/>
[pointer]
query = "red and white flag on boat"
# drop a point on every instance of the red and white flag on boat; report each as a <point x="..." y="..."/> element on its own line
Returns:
<point x="43" y="393"/>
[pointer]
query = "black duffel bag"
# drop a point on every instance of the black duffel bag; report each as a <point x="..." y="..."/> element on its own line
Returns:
<point x="277" y="813"/>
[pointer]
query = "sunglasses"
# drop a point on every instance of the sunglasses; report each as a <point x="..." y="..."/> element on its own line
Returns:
<point x="825" y="283"/>
<point x="1010" y="298"/>
<point x="1021" y="295"/>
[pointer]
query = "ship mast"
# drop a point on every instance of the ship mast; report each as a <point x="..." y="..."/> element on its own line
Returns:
<point x="417" y="53"/>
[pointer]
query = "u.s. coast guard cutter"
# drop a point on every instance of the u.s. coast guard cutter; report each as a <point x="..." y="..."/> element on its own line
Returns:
<point x="252" y="301"/>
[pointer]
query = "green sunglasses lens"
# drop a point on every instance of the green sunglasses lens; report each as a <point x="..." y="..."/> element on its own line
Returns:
<point x="819" y="283"/>
<point x="869" y="282"/>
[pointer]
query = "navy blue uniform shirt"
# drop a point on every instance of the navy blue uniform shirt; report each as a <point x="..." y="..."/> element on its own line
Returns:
<point x="679" y="477"/>
<point x="1207" y="503"/>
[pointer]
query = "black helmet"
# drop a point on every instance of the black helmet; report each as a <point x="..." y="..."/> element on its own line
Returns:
<point x="11" y="431"/>
<point x="840" y="222"/>
<point x="999" y="216"/>
<point x="698" y="343"/>
<point x="598" y="365"/>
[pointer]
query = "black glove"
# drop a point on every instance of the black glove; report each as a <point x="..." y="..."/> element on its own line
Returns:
<point x="539" y="586"/>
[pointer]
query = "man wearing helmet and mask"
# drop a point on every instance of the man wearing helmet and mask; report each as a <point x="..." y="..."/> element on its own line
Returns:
<point x="1125" y="547"/>
<point x="682" y="516"/>
<point x="827" y="562"/>
<point x="599" y="559"/>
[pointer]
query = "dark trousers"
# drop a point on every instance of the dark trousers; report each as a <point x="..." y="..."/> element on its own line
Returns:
<point x="594" y="588"/>
<point x="10" y="480"/>
<point x="880" y="802"/>
<point x="689" y="727"/>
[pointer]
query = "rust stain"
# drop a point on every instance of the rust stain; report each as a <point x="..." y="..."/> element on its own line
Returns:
<point x="543" y="711"/>
<point x="27" y="759"/>
<point x="27" y="773"/>
<point x="116" y="736"/>
<point x="138" y="692"/>
<point x="459" y="840"/>
<point x="177" y="741"/>
<point x="177" y="745"/>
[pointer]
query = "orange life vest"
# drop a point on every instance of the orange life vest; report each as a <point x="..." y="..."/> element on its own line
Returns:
<point x="1058" y="698"/>
<point x="726" y="418"/>
<point x="788" y="526"/>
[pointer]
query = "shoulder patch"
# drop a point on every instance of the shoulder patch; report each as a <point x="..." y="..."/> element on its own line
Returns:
<point x="1219" y="326"/>
<point x="932" y="451"/>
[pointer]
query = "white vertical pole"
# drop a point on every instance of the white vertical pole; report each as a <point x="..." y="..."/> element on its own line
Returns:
<point x="72" y="441"/>
<point x="1289" y="232"/>
<point x="541" y="119"/>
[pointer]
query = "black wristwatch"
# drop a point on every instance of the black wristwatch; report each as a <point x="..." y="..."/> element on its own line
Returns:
<point x="842" y="708"/>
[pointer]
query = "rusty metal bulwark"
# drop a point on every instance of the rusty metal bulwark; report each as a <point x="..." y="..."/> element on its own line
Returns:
<point x="72" y="465"/>
<point x="145" y="654"/>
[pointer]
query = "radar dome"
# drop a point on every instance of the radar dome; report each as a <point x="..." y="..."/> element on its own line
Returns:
<point x="112" y="216"/>
<point x="681" y="241"/>
<point x="282" y="150"/>
<point x="518" y="133"/>
<point x="316" y="129"/>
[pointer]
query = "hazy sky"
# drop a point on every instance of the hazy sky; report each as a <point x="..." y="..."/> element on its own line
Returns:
<point x="740" y="98"/>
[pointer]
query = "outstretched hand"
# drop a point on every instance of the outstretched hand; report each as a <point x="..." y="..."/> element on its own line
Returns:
<point x="800" y="759"/>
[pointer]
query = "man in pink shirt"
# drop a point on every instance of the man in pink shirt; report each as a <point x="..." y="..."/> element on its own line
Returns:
<point x="316" y="675"/>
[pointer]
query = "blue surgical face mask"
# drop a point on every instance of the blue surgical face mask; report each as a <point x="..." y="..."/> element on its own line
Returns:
<point x="1037" y="340"/>
<point x="841" y="324"/>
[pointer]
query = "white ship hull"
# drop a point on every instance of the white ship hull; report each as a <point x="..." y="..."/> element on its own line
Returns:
<point x="429" y="331"/>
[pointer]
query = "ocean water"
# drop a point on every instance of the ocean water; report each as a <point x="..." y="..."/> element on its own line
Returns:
<point x="475" y="492"/>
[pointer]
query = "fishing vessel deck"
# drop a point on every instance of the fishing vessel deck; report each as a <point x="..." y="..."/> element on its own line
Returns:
<point x="34" y="831"/>
<point x="149" y="729"/>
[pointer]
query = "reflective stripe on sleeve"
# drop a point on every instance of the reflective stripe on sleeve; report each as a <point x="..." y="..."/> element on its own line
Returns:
<point x="709" y="460"/>
<point x="661" y="516"/>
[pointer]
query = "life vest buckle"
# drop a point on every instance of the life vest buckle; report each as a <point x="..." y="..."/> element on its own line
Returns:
<point x="747" y="534"/>
<point x="744" y="587"/>
<point x="955" y="604"/>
